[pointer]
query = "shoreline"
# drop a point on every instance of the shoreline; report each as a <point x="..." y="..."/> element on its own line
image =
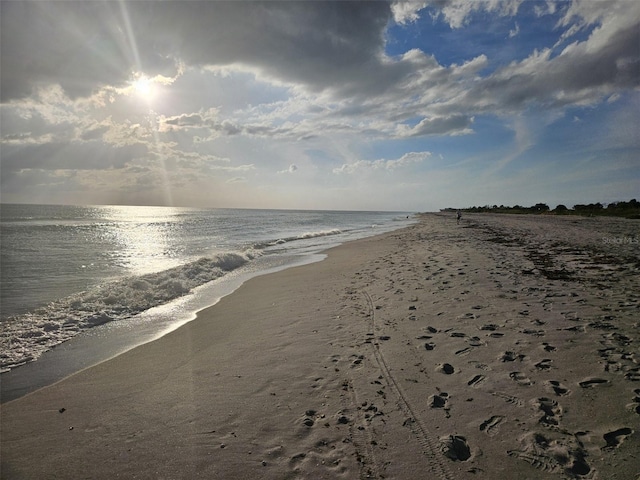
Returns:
<point x="62" y="291"/>
<point x="480" y="350"/>
<point x="107" y="341"/>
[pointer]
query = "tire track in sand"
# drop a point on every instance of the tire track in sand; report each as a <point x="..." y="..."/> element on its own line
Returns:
<point x="362" y="438"/>
<point x="430" y="446"/>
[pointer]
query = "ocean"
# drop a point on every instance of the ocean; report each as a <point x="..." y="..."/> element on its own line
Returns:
<point x="118" y="276"/>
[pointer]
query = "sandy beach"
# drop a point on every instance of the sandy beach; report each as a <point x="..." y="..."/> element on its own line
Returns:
<point x="503" y="347"/>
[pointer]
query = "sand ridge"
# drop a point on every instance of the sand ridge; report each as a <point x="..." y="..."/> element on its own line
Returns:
<point x="505" y="346"/>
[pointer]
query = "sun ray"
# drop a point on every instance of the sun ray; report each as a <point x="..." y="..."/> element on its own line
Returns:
<point x="144" y="87"/>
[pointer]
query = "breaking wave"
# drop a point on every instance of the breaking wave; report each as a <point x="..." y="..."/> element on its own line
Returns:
<point x="25" y="337"/>
<point x="303" y="236"/>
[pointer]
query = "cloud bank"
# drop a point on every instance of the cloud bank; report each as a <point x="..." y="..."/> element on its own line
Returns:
<point x="255" y="86"/>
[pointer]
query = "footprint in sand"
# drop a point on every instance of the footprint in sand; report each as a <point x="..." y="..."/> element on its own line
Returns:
<point x="490" y="327"/>
<point x="544" y="364"/>
<point x="490" y="426"/>
<point x="446" y="368"/>
<point x="633" y="375"/>
<point x="558" y="388"/>
<point x="521" y="379"/>
<point x="357" y="360"/>
<point x="530" y="331"/>
<point x="475" y="381"/>
<point x="511" y="357"/>
<point x="616" y="437"/>
<point x="593" y="382"/>
<point x="551" y="411"/>
<point x="635" y="406"/>
<point x="577" y="328"/>
<point x="475" y="342"/>
<point x="439" y="401"/>
<point x="456" y="447"/>
<point x="553" y="455"/>
<point x="463" y="351"/>
<point x="509" y="399"/>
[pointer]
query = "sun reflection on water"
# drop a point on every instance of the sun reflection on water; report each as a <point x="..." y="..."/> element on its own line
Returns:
<point x="145" y="237"/>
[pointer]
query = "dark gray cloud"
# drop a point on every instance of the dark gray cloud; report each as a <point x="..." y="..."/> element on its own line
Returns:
<point x="84" y="45"/>
<point x="335" y="47"/>
<point x="454" y="124"/>
<point x="78" y="45"/>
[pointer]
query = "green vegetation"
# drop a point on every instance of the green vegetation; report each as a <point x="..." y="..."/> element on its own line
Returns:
<point x="630" y="209"/>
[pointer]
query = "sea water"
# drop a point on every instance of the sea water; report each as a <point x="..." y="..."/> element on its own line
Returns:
<point x="125" y="271"/>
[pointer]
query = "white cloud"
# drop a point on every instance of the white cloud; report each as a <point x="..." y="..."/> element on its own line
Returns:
<point x="451" y="125"/>
<point x="292" y="168"/>
<point x="246" y="88"/>
<point x="408" y="159"/>
<point x="458" y="12"/>
<point x="515" y="31"/>
<point x="406" y="11"/>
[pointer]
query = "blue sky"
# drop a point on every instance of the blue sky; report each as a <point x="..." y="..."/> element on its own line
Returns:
<point x="411" y="106"/>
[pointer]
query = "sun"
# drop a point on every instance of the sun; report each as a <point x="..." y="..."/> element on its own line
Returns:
<point x="143" y="87"/>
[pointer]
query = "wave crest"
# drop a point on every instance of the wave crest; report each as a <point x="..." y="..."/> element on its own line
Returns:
<point x="24" y="338"/>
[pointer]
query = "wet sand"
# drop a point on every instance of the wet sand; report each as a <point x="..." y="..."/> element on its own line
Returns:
<point x="503" y="347"/>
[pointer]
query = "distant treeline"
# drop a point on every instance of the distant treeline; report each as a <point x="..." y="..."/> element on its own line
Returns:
<point x="630" y="209"/>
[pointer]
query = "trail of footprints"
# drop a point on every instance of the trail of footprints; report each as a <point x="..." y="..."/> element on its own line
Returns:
<point x="555" y="450"/>
<point x="551" y="449"/>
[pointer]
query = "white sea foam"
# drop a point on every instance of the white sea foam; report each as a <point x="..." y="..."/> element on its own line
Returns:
<point x="302" y="236"/>
<point x="25" y="337"/>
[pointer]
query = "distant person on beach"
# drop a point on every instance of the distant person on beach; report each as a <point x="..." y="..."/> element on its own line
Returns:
<point x="458" y="217"/>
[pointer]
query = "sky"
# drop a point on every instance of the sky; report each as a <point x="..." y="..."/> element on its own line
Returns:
<point x="403" y="106"/>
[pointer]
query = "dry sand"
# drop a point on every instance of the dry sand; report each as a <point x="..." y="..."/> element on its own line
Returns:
<point x="504" y="347"/>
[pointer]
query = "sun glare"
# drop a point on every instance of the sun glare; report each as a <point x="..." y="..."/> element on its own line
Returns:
<point x="143" y="87"/>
